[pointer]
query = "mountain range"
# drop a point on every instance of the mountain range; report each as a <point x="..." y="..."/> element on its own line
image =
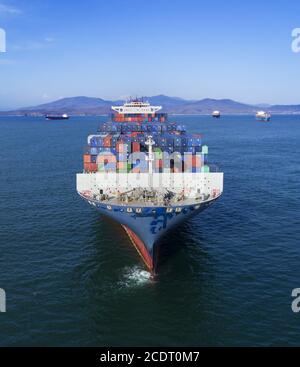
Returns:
<point x="173" y="105"/>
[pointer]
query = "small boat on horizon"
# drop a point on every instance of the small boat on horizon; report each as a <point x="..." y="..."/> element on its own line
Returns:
<point x="64" y="116"/>
<point x="263" y="116"/>
<point x="216" y="114"/>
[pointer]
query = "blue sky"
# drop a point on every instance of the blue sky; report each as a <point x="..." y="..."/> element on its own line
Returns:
<point x="112" y="49"/>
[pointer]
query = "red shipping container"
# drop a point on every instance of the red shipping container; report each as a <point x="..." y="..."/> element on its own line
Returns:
<point x="94" y="167"/>
<point x="158" y="163"/>
<point x="135" y="147"/>
<point x="86" y="158"/>
<point x="90" y="167"/>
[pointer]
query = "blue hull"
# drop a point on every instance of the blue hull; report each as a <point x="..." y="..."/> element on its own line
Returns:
<point x="146" y="227"/>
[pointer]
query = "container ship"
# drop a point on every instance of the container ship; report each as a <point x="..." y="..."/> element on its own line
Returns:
<point x="64" y="116"/>
<point x="148" y="174"/>
<point x="216" y="114"/>
<point x="263" y="116"/>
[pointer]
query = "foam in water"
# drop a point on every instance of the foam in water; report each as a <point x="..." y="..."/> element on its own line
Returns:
<point x="136" y="276"/>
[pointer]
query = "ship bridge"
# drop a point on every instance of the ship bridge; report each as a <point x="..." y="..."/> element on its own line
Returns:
<point x="136" y="107"/>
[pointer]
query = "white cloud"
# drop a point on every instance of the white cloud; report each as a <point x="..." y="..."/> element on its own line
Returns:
<point x="7" y="9"/>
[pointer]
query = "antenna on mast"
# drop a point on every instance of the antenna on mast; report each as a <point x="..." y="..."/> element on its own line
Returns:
<point x="150" y="158"/>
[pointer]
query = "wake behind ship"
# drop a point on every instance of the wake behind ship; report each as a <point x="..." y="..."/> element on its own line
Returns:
<point x="148" y="174"/>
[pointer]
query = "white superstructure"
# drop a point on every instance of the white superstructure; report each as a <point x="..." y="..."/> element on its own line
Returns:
<point x="194" y="184"/>
<point x="216" y="114"/>
<point x="136" y="107"/>
<point x="263" y="115"/>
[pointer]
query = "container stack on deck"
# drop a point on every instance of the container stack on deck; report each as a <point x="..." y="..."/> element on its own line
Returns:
<point x="117" y="140"/>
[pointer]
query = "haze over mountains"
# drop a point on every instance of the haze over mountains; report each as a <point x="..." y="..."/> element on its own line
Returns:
<point x="95" y="106"/>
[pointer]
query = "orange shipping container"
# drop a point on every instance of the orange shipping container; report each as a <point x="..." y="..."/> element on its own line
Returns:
<point x="120" y="147"/>
<point x="86" y="158"/>
<point x="121" y="165"/>
<point x="197" y="161"/>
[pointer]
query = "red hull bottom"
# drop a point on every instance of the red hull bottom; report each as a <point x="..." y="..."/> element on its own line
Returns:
<point x="141" y="248"/>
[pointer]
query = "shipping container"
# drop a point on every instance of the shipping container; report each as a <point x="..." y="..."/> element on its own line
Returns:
<point x="122" y="167"/>
<point x="106" y="158"/>
<point x="158" y="153"/>
<point x="177" y="142"/>
<point x="187" y="162"/>
<point x="107" y="167"/>
<point x="107" y="141"/>
<point x="135" y="147"/>
<point x="139" y="166"/>
<point x="204" y="149"/>
<point x="129" y="167"/>
<point x="86" y="158"/>
<point x="93" y="158"/>
<point x="158" y="163"/>
<point x="122" y="164"/>
<point x="93" y="150"/>
<point x="121" y="157"/>
<point x="90" y="167"/>
<point x="197" y="161"/>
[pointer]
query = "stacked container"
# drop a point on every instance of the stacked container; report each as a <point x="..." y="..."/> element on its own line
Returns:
<point x="127" y="133"/>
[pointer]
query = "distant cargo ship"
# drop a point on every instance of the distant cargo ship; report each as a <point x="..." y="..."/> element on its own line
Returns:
<point x="263" y="116"/>
<point x="57" y="117"/>
<point x="148" y="174"/>
<point x="216" y="114"/>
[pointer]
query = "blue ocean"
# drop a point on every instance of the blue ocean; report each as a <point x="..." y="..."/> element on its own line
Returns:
<point x="72" y="277"/>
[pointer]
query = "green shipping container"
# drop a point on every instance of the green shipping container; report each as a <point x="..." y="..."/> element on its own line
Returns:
<point x="205" y="169"/>
<point x="158" y="155"/>
<point x="204" y="149"/>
